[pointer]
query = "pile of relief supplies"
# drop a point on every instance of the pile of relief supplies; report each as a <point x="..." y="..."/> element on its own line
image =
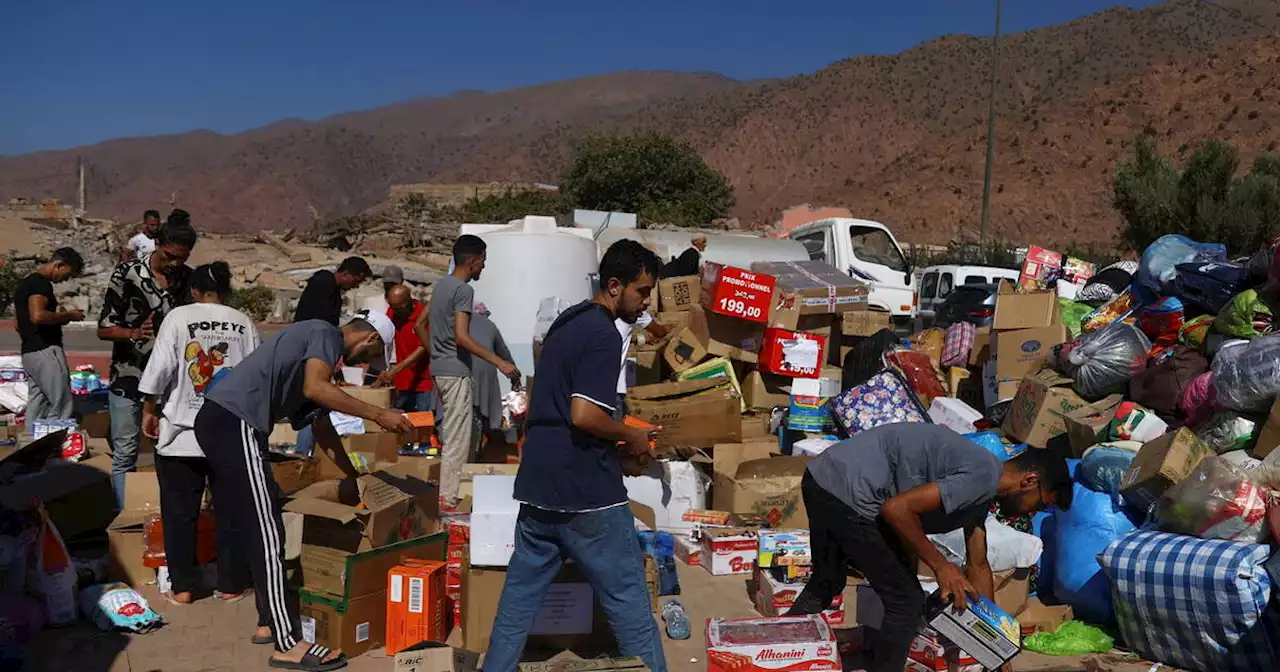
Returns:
<point x="1158" y="380"/>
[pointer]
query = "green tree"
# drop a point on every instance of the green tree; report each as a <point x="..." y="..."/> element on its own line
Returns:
<point x="1203" y="188"/>
<point x="1146" y="194"/>
<point x="660" y="178"/>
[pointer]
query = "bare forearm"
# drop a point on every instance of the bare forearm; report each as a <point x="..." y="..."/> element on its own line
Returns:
<point x="474" y="347"/>
<point x="46" y="317"/>
<point x="980" y="576"/>
<point x="117" y="333"/>
<point x="907" y="525"/>
<point x="149" y="405"/>
<point x="327" y="395"/>
<point x="410" y="360"/>
<point x="589" y="418"/>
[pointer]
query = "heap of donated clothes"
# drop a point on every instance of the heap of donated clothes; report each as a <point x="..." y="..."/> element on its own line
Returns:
<point x="1162" y="392"/>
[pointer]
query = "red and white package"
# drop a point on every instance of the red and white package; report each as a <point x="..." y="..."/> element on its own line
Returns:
<point x="688" y="550"/>
<point x="759" y="644"/>
<point x="73" y="447"/>
<point x="774" y="598"/>
<point x="729" y="551"/>
<point x="928" y="654"/>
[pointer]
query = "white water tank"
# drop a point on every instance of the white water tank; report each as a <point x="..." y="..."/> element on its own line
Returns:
<point x="528" y="260"/>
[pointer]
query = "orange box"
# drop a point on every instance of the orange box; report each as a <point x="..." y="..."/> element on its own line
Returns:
<point x="632" y="421"/>
<point x="425" y="424"/>
<point x="416" y="604"/>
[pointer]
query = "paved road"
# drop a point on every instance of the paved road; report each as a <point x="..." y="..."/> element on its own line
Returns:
<point x="83" y="340"/>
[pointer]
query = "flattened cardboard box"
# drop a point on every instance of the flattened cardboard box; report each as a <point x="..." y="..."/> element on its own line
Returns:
<point x="748" y="479"/>
<point x="1038" y="412"/>
<point x="1161" y="464"/>
<point x="863" y="323"/>
<point x="692" y="413"/>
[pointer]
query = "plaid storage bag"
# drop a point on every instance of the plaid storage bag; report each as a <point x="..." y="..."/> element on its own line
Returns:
<point x="958" y="344"/>
<point x="883" y="400"/>
<point x="1193" y="603"/>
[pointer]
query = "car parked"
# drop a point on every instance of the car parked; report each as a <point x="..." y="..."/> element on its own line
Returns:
<point x="975" y="303"/>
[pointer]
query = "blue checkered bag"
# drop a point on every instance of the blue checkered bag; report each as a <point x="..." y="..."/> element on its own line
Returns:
<point x="1194" y="603"/>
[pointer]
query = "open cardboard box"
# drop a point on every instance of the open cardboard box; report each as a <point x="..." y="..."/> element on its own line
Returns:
<point x="77" y="495"/>
<point x="124" y="535"/>
<point x="749" y="478"/>
<point x="693" y="414"/>
<point x="1030" y="310"/>
<point x="375" y="510"/>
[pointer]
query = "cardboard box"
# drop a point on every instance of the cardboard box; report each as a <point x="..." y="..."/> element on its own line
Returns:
<point x="783" y="548"/>
<point x="124" y="535"/>
<point x="775" y="598"/>
<point x="96" y="425"/>
<point x="566" y="617"/>
<point x="282" y="434"/>
<point x="755" y="426"/>
<point x="720" y="367"/>
<point x="810" y="287"/>
<point x="78" y="496"/>
<point x="382" y="397"/>
<point x="680" y="294"/>
<point x="683" y="351"/>
<point x="693" y="414"/>
<point x="650" y="368"/>
<point x="1025" y="351"/>
<point x="864" y="323"/>
<point x="670" y="489"/>
<point x="436" y="657"/>
<point x="416" y="610"/>
<point x="493" y="520"/>
<point x="733" y="338"/>
<point x="729" y="550"/>
<point x="623" y="664"/>
<point x="688" y="550"/>
<point x="347" y="575"/>
<point x="928" y="654"/>
<point x="1162" y="464"/>
<point x="953" y="414"/>
<point x="751" y="645"/>
<point x="748" y="480"/>
<point x="466" y="488"/>
<point x="1037" y="266"/>
<point x="293" y="473"/>
<point x="792" y="353"/>
<point x="1037" y="415"/>
<point x="764" y="391"/>
<point x="1269" y="435"/>
<point x="1087" y="425"/>
<point x="356" y="626"/>
<point x="378" y="510"/>
<point x="982" y="630"/>
<point x="673" y="321"/>
<point x="1037" y="617"/>
<point x="737" y="292"/>
<point x="982" y="347"/>
<point x="1024" y="311"/>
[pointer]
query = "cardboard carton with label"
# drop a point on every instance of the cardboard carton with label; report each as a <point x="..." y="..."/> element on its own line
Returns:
<point x="356" y="626"/>
<point x="683" y="351"/>
<point x="373" y="511"/>
<point x="748" y="479"/>
<point x="1022" y="352"/>
<point x="863" y="323"/>
<point x="693" y="414"/>
<point x="567" y="617"/>
<point x="1038" y="413"/>
<point x="792" y="353"/>
<point x="1087" y="425"/>
<point x="810" y="288"/>
<point x="679" y="294"/>
<point x="1161" y="464"/>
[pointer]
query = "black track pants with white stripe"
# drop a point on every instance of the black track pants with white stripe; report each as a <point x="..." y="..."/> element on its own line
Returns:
<point x="247" y="491"/>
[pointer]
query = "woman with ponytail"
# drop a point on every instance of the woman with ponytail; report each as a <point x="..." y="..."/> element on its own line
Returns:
<point x="195" y="346"/>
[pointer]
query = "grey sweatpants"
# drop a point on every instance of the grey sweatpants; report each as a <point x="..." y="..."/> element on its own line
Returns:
<point x="48" y="384"/>
<point x="456" y="433"/>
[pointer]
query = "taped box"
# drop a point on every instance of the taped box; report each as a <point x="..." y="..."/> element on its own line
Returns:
<point x="769" y="644"/>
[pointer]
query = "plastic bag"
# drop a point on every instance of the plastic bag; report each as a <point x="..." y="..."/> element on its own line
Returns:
<point x="1104" y="466"/>
<point x="1246" y="316"/>
<point x="1217" y="501"/>
<point x="1228" y="431"/>
<point x="1103" y="361"/>
<point x="1159" y="262"/>
<point x="1073" y="313"/>
<point x="1198" y="399"/>
<point x="1072" y="638"/>
<point x="515" y="405"/>
<point x="1082" y="532"/>
<point x="548" y="310"/>
<point x="996" y="445"/>
<point x="1115" y="310"/>
<point x="1007" y="548"/>
<point x="1161" y="321"/>
<point x="1246" y="377"/>
<point x="55" y="574"/>
<point x="116" y="606"/>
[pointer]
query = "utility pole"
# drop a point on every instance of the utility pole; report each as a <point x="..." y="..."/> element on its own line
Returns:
<point x="991" y="131"/>
<point x="80" y="192"/>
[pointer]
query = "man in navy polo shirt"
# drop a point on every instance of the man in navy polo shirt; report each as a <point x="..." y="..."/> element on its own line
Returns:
<point x="573" y="502"/>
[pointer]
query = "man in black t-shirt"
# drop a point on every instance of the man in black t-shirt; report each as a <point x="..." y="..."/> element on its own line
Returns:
<point x="322" y="298"/>
<point x="40" y="326"/>
<point x="573" y="501"/>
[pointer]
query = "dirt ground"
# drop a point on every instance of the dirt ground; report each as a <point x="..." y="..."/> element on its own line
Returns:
<point x="208" y="637"/>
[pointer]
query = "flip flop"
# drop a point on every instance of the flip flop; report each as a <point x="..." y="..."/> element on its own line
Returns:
<point x="311" y="661"/>
<point x="262" y="640"/>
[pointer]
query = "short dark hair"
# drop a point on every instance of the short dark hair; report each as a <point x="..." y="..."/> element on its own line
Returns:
<point x="626" y="260"/>
<point x="467" y="246"/>
<point x="151" y="213"/>
<point x="214" y="277"/>
<point x="178" y="216"/>
<point x="356" y="266"/>
<point x="362" y="326"/>
<point x="177" y="231"/>
<point x="70" y="257"/>
<point x="1052" y="470"/>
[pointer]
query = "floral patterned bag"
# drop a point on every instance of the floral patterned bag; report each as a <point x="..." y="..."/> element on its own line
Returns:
<point x="884" y="399"/>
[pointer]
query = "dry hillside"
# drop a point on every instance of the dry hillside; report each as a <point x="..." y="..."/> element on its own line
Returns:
<point x="898" y="137"/>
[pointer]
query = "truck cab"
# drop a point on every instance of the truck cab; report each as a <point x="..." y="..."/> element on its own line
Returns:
<point x="866" y="250"/>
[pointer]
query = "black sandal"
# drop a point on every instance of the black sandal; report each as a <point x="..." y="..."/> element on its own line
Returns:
<point x="269" y="639"/>
<point x="313" y="661"/>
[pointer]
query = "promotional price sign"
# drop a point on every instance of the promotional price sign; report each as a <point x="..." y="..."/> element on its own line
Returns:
<point x="736" y="292"/>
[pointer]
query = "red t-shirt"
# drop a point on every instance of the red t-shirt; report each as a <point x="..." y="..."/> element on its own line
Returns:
<point x="416" y="378"/>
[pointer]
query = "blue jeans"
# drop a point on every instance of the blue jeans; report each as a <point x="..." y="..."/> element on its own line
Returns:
<point x="411" y="402"/>
<point x="126" y="432"/>
<point x="604" y="545"/>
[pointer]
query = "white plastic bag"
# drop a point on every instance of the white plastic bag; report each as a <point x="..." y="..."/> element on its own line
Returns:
<point x="55" y="574"/>
<point x="548" y="310"/>
<point x="1007" y="548"/>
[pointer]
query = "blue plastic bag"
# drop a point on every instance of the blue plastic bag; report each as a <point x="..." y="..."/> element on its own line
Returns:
<point x="1073" y="541"/>
<point x="1103" y="467"/>
<point x="1159" y="264"/>
<point x="995" y="445"/>
<point x="661" y="546"/>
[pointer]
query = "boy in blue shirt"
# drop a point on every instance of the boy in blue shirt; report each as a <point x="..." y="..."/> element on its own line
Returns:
<point x="573" y="502"/>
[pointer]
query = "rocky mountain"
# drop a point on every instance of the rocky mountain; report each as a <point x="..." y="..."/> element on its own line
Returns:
<point x="899" y="138"/>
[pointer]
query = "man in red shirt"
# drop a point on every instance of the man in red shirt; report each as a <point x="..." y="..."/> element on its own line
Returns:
<point x="411" y="375"/>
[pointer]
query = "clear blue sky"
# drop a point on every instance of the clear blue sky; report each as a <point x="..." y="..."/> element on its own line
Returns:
<point x="81" y="71"/>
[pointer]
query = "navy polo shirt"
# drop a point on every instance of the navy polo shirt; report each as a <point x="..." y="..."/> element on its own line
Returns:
<point x="562" y="468"/>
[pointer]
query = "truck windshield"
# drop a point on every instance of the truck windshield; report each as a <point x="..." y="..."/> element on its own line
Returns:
<point x="875" y="246"/>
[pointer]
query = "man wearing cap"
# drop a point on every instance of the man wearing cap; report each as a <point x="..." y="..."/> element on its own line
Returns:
<point x="289" y="376"/>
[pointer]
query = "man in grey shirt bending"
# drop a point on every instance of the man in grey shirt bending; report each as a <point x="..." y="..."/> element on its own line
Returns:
<point x="448" y="337"/>
<point x="871" y="500"/>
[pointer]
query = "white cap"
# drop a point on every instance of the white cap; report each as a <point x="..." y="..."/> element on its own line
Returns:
<point x="381" y="323"/>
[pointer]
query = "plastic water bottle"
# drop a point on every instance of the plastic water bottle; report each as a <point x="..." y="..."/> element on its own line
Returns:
<point x="678" y="626"/>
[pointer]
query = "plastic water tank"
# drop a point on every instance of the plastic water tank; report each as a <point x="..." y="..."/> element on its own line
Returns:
<point x="529" y="260"/>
